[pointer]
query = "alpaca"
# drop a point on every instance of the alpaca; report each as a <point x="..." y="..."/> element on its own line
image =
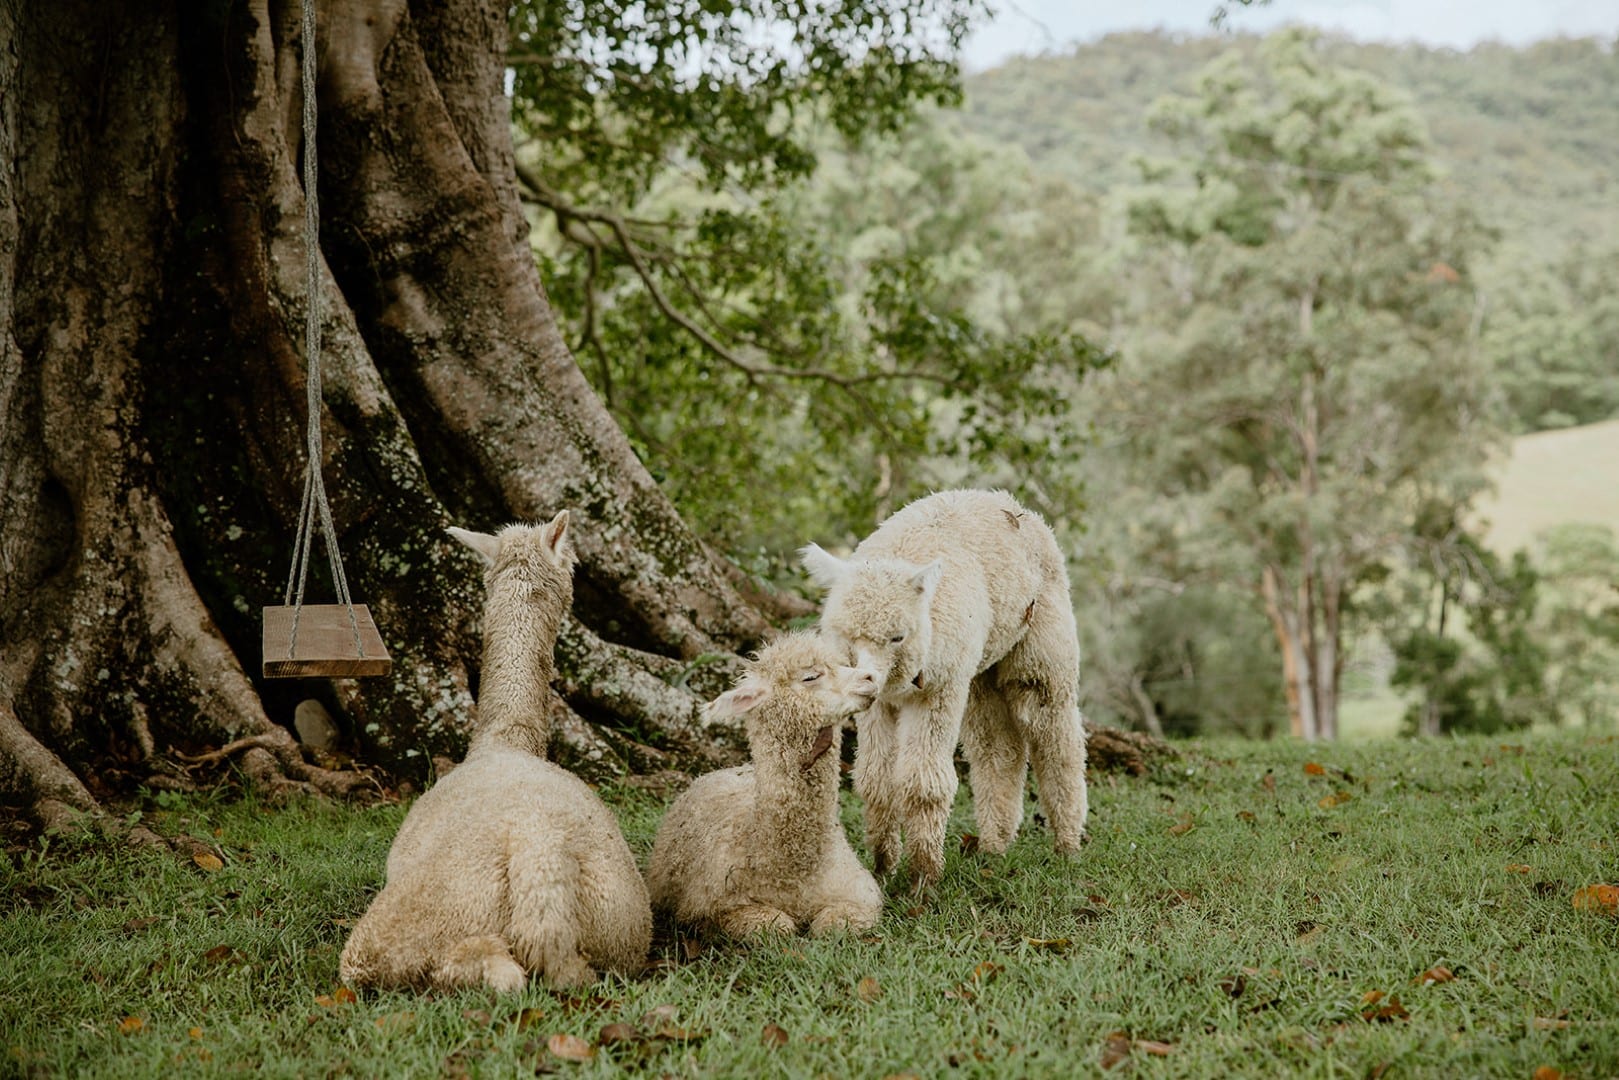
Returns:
<point x="510" y="864"/>
<point x="760" y="848"/>
<point x="960" y="603"/>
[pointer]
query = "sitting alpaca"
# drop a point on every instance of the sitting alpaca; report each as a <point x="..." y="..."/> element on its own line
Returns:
<point x="960" y="603"/>
<point x="760" y="848"/>
<point x="509" y="864"/>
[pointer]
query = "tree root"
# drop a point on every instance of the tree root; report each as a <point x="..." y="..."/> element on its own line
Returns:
<point x="274" y="759"/>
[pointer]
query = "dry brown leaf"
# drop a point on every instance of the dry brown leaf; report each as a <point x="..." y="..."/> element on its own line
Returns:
<point x="195" y="1033"/>
<point x="1372" y="997"/>
<point x="1115" y="1050"/>
<point x="1385" y="1012"/>
<point x="1379" y="1070"/>
<point x="129" y="1025"/>
<point x="1185" y="825"/>
<point x="1306" y="931"/>
<point x="478" y="1017"/>
<point x="529" y="1017"/>
<point x="208" y="861"/>
<point x="1268" y="781"/>
<point x="1054" y="944"/>
<point x="868" y="990"/>
<point x="1519" y="868"/>
<point x="569" y="1047"/>
<point x="1603" y="899"/>
<point x="962" y="992"/>
<point x="987" y="971"/>
<point x="773" y="1035"/>
<point x="672" y="1033"/>
<point x="1550" y="1023"/>
<point x="1154" y="1047"/>
<point x="969" y="843"/>
<point x="344" y="996"/>
<point x="1234" y="987"/>
<point x="135" y="926"/>
<point x="612" y="1034"/>
<point x="1248" y="816"/>
<point x="1337" y="798"/>
<point x="1435" y="974"/>
<point x="1314" y="768"/>
<point x="218" y="954"/>
<point x="660" y="1014"/>
<point x="1546" y="1072"/>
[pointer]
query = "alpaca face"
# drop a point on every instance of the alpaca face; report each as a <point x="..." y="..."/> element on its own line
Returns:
<point x="796" y="694"/>
<point x="878" y="611"/>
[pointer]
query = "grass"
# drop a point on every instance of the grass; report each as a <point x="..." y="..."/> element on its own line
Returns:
<point x="1241" y="922"/>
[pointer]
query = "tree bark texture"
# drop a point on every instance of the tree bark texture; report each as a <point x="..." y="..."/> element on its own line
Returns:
<point x="151" y="402"/>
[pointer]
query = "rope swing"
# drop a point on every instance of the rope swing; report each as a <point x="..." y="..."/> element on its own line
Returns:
<point x="329" y="640"/>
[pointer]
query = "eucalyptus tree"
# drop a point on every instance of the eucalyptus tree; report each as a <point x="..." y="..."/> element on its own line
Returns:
<point x="1307" y="378"/>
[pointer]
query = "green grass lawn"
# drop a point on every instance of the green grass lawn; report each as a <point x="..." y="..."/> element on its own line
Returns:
<point x="1240" y="916"/>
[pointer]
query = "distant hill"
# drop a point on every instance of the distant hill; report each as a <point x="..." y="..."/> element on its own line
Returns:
<point x="1529" y="136"/>
<point x="1554" y="478"/>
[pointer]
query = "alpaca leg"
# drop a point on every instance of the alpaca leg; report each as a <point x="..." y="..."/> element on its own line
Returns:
<point x="846" y="897"/>
<point x="1040" y="679"/>
<point x="479" y="961"/>
<point x="755" y="920"/>
<point x="998" y="757"/>
<point x="876" y="781"/>
<point x="929" y="733"/>
<point x="544" y="923"/>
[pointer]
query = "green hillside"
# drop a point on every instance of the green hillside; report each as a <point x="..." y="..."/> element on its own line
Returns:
<point x="1529" y="136"/>
<point x="1554" y="478"/>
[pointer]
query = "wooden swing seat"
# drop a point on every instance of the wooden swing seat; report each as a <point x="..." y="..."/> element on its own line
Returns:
<point x="326" y="646"/>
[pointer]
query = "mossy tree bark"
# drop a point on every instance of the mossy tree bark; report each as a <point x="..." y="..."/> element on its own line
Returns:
<point x="151" y="401"/>
<point x="152" y="405"/>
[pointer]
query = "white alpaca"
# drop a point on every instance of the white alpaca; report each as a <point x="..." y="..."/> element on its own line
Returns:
<point x="509" y="865"/>
<point x="760" y="848"/>
<point x="960" y="603"/>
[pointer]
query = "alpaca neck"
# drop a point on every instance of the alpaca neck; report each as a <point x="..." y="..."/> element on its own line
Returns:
<point x="514" y="697"/>
<point x="791" y="813"/>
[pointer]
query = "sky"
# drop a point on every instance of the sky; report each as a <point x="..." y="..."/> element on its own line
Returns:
<point x="1034" y="26"/>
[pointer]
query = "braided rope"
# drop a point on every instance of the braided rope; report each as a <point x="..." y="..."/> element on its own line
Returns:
<point x="314" y="500"/>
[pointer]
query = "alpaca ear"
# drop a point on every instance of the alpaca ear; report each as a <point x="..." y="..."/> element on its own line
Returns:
<point x="734" y="703"/>
<point x="555" y="535"/>
<point x="485" y="545"/>
<point x="927" y="578"/>
<point x="825" y="569"/>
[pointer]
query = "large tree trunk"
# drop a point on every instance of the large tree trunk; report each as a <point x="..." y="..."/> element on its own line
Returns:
<point x="152" y="386"/>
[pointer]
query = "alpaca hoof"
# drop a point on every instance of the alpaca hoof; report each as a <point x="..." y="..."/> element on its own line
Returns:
<point x="504" y="975"/>
<point x="570" y="974"/>
<point x="842" y="920"/>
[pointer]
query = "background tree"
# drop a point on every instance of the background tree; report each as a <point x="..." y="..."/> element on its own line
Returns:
<point x="1315" y="369"/>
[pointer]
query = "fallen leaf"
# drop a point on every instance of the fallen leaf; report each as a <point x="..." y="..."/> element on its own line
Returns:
<point x="1382" y="1012"/>
<point x="129" y="1025"/>
<point x="529" y="1017"/>
<point x="1153" y="1047"/>
<point x="1372" y="997"/>
<point x="570" y="1047"/>
<point x="916" y="911"/>
<point x="1435" y="974"/>
<point x="218" y="954"/>
<point x="1055" y="944"/>
<point x="392" y="1023"/>
<point x="1233" y="988"/>
<point x="324" y="1001"/>
<point x="135" y="926"/>
<point x="613" y="1034"/>
<point x="480" y="1017"/>
<point x="1546" y="1072"/>
<point x="969" y="843"/>
<point x="1268" y="781"/>
<point x="987" y="971"/>
<point x="773" y="1035"/>
<point x="1314" y="768"/>
<point x="1547" y="1023"/>
<point x="671" y="1033"/>
<point x="1248" y="816"/>
<point x="1337" y="798"/>
<point x="1185" y="825"/>
<point x="1306" y="931"/>
<point x="1519" y="868"/>
<point x="1379" y="1070"/>
<point x="344" y="996"/>
<point x="1115" y="1050"/>
<point x="660" y="1014"/>
<point x="868" y="990"/>
<point x="1603" y="899"/>
<point x="195" y="1033"/>
<point x="961" y="992"/>
<point x="208" y="861"/>
<point x="1177" y="896"/>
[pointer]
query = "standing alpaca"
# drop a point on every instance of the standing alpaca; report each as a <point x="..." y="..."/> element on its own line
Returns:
<point x="510" y="864"/>
<point x="960" y="603"/>
<point x="760" y="848"/>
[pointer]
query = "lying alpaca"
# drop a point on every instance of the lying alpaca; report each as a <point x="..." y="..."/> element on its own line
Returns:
<point x="760" y="848"/>
<point x="509" y="864"/>
<point x="960" y="602"/>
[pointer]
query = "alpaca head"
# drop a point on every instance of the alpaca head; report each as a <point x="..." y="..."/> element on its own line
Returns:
<point x="538" y="556"/>
<point x="878" y="610"/>
<point x="794" y="697"/>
